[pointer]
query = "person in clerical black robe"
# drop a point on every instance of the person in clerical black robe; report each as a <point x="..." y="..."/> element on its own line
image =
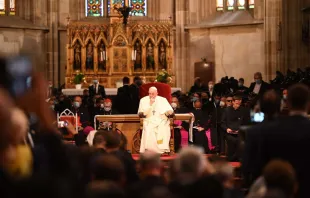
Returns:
<point x="104" y="107"/>
<point x="201" y="125"/>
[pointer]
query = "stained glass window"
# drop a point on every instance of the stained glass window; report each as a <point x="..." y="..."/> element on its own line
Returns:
<point x="2" y="7"/>
<point x="12" y="7"/>
<point x="94" y="8"/>
<point x="139" y="7"/>
<point x="251" y="4"/>
<point x="241" y="4"/>
<point x="219" y="5"/>
<point x="230" y="4"/>
<point x="122" y="2"/>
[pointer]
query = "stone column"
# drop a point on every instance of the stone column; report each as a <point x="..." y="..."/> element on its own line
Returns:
<point x="273" y="38"/>
<point x="183" y="79"/>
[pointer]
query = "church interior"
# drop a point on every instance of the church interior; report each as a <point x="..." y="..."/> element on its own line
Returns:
<point x="153" y="98"/>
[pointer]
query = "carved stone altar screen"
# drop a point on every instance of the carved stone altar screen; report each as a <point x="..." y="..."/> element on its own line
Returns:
<point x="109" y="50"/>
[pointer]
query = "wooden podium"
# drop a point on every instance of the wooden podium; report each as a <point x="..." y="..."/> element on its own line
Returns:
<point x="131" y="126"/>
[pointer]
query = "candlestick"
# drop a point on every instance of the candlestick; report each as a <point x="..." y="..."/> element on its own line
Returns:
<point x="101" y="56"/>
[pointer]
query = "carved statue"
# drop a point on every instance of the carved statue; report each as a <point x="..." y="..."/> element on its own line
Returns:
<point x="162" y="56"/>
<point x="138" y="61"/>
<point x="150" y="63"/>
<point x="102" y="58"/>
<point x="77" y="57"/>
<point x="90" y="57"/>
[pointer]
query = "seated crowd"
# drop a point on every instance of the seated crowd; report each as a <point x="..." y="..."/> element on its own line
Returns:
<point x="36" y="161"/>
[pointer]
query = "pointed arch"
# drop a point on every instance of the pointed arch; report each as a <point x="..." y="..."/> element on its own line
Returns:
<point x="90" y="38"/>
<point x="149" y="39"/>
<point x="119" y="40"/>
<point x="162" y="38"/>
<point x="77" y="39"/>
<point x="101" y="38"/>
<point x="137" y="39"/>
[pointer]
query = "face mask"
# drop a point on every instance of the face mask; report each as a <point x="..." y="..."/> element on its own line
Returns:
<point x="95" y="81"/>
<point x="222" y="104"/>
<point x="21" y="165"/>
<point x="107" y="108"/>
<point x="76" y="104"/>
<point x="240" y="84"/>
<point x="216" y="101"/>
<point x="52" y="107"/>
<point x="284" y="97"/>
<point x="210" y="86"/>
<point x="50" y="86"/>
<point x="258" y="81"/>
<point x="194" y="99"/>
<point x="174" y="105"/>
<point x="101" y="106"/>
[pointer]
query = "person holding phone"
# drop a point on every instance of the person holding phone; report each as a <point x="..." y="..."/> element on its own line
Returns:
<point x="232" y="118"/>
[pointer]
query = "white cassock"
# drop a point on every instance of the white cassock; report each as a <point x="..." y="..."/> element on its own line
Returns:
<point x="156" y="125"/>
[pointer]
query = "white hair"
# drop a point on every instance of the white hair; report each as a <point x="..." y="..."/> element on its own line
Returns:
<point x="153" y="89"/>
<point x="191" y="163"/>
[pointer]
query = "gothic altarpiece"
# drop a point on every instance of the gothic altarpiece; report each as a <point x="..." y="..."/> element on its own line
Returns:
<point x="108" y="49"/>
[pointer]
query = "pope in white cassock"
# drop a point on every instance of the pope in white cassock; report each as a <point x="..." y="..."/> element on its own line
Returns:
<point x="156" y="125"/>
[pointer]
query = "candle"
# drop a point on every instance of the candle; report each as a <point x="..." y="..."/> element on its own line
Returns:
<point x="101" y="56"/>
<point x="135" y="54"/>
<point x="106" y="55"/>
<point x="132" y="55"/>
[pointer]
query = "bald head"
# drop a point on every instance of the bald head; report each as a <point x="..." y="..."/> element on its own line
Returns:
<point x="153" y="92"/>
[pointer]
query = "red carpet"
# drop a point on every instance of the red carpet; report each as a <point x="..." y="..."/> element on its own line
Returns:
<point x="171" y="157"/>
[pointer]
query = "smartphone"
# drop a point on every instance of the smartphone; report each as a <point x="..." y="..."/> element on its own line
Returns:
<point x="257" y="117"/>
<point x="62" y="125"/>
<point x="16" y="74"/>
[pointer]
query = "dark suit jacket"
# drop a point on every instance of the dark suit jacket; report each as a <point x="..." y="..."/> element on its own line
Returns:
<point x="146" y="187"/>
<point x="134" y="92"/>
<point x="83" y="113"/>
<point x="124" y="100"/>
<point x="92" y="91"/>
<point x="286" y="138"/>
<point x="264" y="87"/>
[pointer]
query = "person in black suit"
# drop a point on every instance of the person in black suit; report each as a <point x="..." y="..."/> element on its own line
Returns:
<point x="286" y="138"/>
<point x="81" y="111"/>
<point x="124" y="98"/>
<point x="259" y="87"/>
<point x="232" y="118"/>
<point x="134" y="92"/>
<point x="96" y="88"/>
<point x="241" y="87"/>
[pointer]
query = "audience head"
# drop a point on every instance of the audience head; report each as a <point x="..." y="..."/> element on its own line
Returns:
<point x="241" y="82"/>
<point x="107" y="104"/>
<point x="197" y="104"/>
<point x="126" y="80"/>
<point x="229" y="100"/>
<point x="224" y="172"/>
<point x="95" y="80"/>
<point x="153" y="93"/>
<point x="77" y="102"/>
<point x="258" y="77"/>
<point x="210" y="84"/>
<point x="237" y="100"/>
<point x="50" y="84"/>
<point x="123" y="142"/>
<point x="298" y="98"/>
<point x="99" y="189"/>
<point x="85" y="92"/>
<point x="138" y="81"/>
<point x="197" y="82"/>
<point x="280" y="175"/>
<point x="174" y="102"/>
<point x="108" y="167"/>
<point x="270" y="104"/>
<point x="150" y="163"/>
<point x="191" y="164"/>
<point x="223" y="101"/>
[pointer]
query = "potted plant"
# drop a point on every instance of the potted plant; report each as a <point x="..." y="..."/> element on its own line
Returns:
<point x="78" y="79"/>
<point x="163" y="77"/>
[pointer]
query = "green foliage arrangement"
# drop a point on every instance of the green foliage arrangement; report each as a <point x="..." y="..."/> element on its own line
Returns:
<point x="163" y="77"/>
<point x="79" y="78"/>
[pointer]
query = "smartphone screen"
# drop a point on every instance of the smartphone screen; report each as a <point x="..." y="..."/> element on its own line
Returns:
<point x="258" y="117"/>
<point x="19" y="70"/>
